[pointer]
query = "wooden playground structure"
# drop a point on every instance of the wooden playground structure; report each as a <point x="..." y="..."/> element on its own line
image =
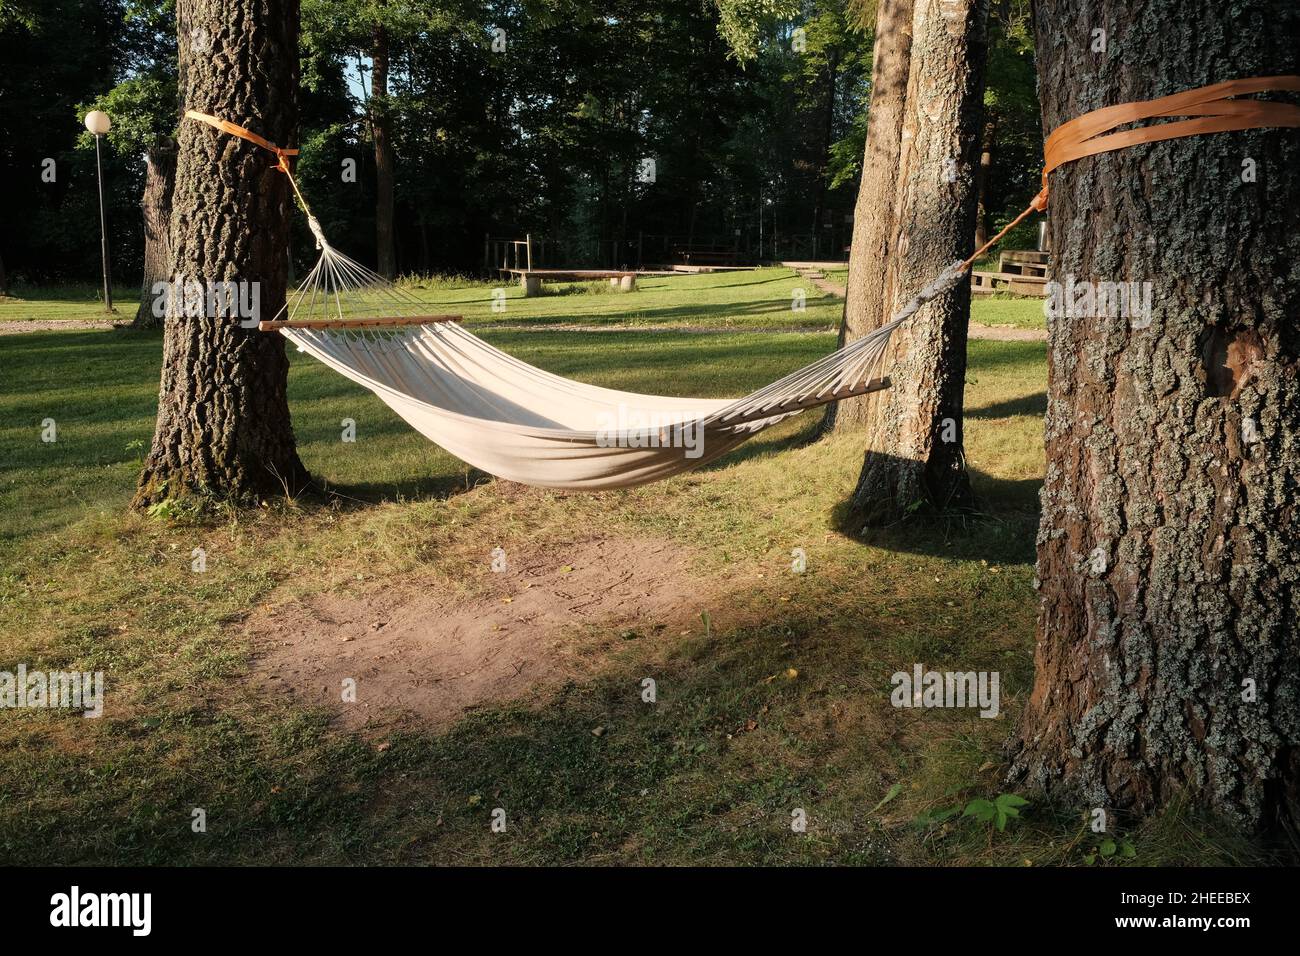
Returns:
<point x="1021" y="271"/>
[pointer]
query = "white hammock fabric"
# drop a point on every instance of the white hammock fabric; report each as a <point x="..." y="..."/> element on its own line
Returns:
<point x="521" y="423"/>
<point x="516" y="421"/>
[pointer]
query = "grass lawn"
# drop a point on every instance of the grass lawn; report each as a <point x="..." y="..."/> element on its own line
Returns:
<point x="761" y="298"/>
<point x="28" y="303"/>
<point x="725" y="300"/>
<point x="1002" y="309"/>
<point x="776" y="697"/>
<point x="999" y="309"/>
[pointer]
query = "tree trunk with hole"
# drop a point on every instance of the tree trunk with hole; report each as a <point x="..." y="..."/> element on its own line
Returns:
<point x="1168" y="655"/>
<point x="160" y="175"/>
<point x="873" y="213"/>
<point x="380" y="119"/>
<point x="915" y="455"/>
<point x="223" y="418"/>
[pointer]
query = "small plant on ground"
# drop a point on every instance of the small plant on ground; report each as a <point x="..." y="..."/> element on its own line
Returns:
<point x="997" y="812"/>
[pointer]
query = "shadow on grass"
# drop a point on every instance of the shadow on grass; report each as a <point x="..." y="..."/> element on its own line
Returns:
<point x="999" y="528"/>
<point x="708" y="774"/>
<point x="984" y="354"/>
<point x="787" y="276"/>
<point x="1035" y="405"/>
<point x="363" y="494"/>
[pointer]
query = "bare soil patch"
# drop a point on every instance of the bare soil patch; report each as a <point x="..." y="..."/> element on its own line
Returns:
<point x="1007" y="333"/>
<point x="551" y="616"/>
<point x="19" y="326"/>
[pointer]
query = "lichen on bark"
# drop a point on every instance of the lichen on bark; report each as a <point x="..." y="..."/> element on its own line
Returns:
<point x="223" y="426"/>
<point x="1173" y="446"/>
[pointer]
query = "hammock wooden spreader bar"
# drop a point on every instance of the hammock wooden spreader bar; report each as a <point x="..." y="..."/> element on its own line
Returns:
<point x="272" y="325"/>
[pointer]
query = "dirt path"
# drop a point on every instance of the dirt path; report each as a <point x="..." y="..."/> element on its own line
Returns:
<point x="19" y="326"/>
<point x="999" y="333"/>
<point x="1006" y="333"/>
<point x="829" y="287"/>
<point x="549" y="617"/>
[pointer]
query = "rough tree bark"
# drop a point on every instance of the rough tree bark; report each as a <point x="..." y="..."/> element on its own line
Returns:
<point x="384" y="161"/>
<point x="915" y="458"/>
<point x="1169" y="550"/>
<point x="156" y="204"/>
<point x="873" y="213"/>
<point x="223" y="417"/>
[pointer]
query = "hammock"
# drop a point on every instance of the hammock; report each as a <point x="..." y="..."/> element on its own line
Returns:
<point x="521" y="423"/>
<point x="524" y="424"/>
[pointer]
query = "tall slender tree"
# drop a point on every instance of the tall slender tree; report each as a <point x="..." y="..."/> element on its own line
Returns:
<point x="385" y="160"/>
<point x="874" y="230"/>
<point x="223" y="418"/>
<point x="1168" y="654"/>
<point x="915" y="457"/>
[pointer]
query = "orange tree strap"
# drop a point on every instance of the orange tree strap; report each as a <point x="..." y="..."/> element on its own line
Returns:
<point x="227" y="127"/>
<point x="1214" y="112"/>
<point x="1210" y="110"/>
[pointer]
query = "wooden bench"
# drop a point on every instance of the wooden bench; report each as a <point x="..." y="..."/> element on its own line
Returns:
<point x="706" y="255"/>
<point x="1026" y="262"/>
<point x="983" y="283"/>
<point x="531" y="280"/>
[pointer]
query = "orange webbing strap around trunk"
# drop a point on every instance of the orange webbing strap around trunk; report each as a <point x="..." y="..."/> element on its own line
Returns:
<point x="1214" y="112"/>
<point x="1210" y="107"/>
<point x="227" y="127"/>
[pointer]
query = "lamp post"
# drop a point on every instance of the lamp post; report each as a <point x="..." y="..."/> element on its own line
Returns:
<point x="99" y="123"/>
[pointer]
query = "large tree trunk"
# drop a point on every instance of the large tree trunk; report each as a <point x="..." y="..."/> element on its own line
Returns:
<point x="384" y="162"/>
<point x="223" y="417"/>
<point x="160" y="176"/>
<point x="915" y="458"/>
<point x="867" y="294"/>
<point x="1169" y="551"/>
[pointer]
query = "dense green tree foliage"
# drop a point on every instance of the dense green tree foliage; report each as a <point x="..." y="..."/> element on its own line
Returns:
<point x="612" y="132"/>
<point x="56" y="58"/>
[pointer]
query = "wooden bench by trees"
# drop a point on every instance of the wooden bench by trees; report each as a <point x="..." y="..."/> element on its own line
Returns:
<point x="530" y="280"/>
<point x="705" y="255"/>
<point x="1020" y="271"/>
<point x="1028" y="262"/>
